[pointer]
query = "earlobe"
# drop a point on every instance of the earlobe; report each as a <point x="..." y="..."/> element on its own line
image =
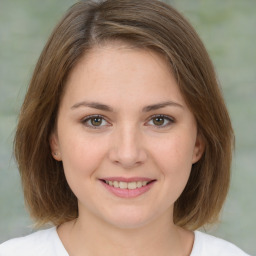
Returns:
<point x="199" y="148"/>
<point x="54" y="144"/>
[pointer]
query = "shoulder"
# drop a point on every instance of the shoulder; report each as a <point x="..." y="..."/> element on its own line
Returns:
<point x="44" y="242"/>
<point x="212" y="246"/>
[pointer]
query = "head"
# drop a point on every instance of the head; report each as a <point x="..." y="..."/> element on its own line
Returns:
<point x="139" y="24"/>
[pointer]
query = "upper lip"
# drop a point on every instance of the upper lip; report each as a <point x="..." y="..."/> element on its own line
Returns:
<point x="123" y="179"/>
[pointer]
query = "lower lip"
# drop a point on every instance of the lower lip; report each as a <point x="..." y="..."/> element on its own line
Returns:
<point x="128" y="193"/>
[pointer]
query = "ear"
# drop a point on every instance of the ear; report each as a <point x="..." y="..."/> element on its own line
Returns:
<point x="54" y="145"/>
<point x="199" y="148"/>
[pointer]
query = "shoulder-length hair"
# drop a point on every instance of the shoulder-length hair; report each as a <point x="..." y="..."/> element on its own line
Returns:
<point x="147" y="24"/>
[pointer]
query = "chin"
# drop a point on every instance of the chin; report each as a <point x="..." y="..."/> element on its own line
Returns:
<point x="129" y="219"/>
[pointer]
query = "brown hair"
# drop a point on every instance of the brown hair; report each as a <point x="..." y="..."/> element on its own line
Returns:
<point x="147" y="24"/>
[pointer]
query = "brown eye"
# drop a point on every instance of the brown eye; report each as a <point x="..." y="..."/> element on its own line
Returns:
<point x="159" y="121"/>
<point x="96" y="121"/>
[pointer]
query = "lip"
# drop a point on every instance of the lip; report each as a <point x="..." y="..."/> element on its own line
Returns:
<point x="127" y="193"/>
<point x="131" y="179"/>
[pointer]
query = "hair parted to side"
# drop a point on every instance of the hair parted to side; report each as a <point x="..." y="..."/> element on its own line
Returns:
<point x="146" y="24"/>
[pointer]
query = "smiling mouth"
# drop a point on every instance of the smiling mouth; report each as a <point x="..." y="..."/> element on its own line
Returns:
<point x="127" y="185"/>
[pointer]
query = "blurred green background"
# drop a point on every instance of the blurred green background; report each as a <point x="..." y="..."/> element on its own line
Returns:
<point x="228" y="29"/>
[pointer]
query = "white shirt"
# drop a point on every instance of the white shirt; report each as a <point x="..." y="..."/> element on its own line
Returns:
<point x="47" y="243"/>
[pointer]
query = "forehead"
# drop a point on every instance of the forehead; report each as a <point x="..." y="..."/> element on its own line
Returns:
<point x="112" y="51"/>
<point x="121" y="70"/>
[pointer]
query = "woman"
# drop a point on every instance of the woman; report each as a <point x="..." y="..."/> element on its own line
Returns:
<point x="124" y="142"/>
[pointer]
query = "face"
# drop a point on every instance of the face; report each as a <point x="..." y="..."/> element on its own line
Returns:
<point x="125" y="136"/>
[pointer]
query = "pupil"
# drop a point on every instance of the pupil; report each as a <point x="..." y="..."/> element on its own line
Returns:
<point x="158" y="120"/>
<point x="96" y="121"/>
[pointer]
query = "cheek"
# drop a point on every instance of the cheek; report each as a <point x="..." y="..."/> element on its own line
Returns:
<point x="174" y="151"/>
<point x="176" y="169"/>
<point x="82" y="154"/>
<point x="81" y="159"/>
<point x="174" y="159"/>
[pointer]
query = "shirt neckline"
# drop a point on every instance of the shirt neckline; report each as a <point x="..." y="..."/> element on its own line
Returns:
<point x="59" y="245"/>
<point x="61" y="248"/>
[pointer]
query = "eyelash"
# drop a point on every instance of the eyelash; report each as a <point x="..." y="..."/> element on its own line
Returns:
<point x="88" y="118"/>
<point x="168" y="118"/>
<point x="85" y="121"/>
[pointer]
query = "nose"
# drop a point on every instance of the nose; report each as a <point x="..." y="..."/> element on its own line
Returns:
<point x="127" y="148"/>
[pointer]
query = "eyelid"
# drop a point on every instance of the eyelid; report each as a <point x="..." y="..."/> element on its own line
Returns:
<point x="87" y="118"/>
<point x="84" y="120"/>
<point x="169" y="118"/>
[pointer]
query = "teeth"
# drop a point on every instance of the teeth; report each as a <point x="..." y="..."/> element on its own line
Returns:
<point x="139" y="184"/>
<point x="132" y="185"/>
<point x="116" y="184"/>
<point x="125" y="185"/>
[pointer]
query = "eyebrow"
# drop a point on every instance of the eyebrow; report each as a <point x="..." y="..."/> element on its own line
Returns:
<point x="161" y="105"/>
<point x="95" y="105"/>
<point x="104" y="107"/>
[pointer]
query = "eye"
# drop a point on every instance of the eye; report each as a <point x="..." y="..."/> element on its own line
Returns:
<point x="160" y="121"/>
<point x="95" y="121"/>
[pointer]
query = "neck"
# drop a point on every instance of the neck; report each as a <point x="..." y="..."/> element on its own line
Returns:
<point x="95" y="237"/>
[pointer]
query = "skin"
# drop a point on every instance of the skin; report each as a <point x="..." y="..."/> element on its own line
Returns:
<point x="127" y="142"/>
